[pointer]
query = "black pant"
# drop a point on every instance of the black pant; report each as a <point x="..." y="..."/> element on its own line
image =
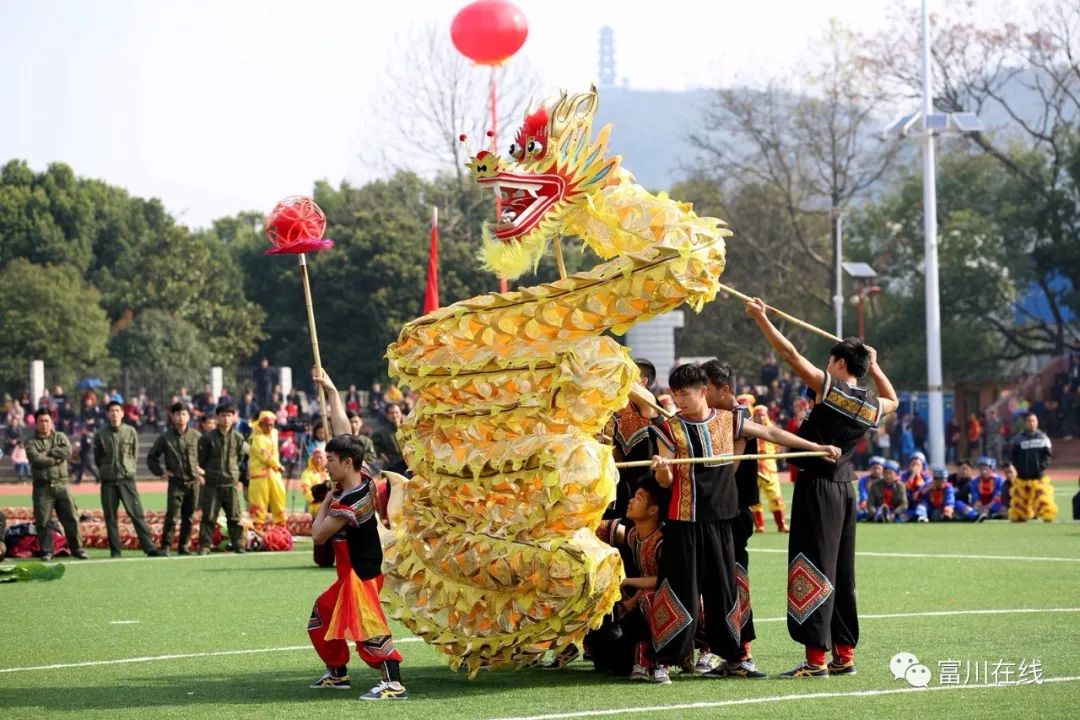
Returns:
<point x="821" y="564"/>
<point x="742" y="530"/>
<point x="183" y="499"/>
<point x="86" y="465"/>
<point x="213" y="498"/>
<point x="698" y="563"/>
<point x="55" y="497"/>
<point x="124" y="491"/>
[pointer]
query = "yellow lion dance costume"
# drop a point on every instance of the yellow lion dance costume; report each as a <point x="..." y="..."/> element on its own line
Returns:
<point x="493" y="558"/>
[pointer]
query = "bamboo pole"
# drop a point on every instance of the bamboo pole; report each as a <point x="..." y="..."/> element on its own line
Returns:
<point x="559" y="258"/>
<point x="325" y="410"/>
<point x="637" y="394"/>
<point x="722" y="458"/>
<point x="794" y="320"/>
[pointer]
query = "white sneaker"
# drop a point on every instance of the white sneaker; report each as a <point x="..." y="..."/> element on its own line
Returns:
<point x="706" y="663"/>
<point x="660" y="675"/>
<point x="639" y="674"/>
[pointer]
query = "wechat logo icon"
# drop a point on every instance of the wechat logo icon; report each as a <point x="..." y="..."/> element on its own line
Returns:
<point x="906" y="666"/>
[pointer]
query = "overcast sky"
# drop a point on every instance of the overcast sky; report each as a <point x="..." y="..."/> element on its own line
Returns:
<point x="220" y="106"/>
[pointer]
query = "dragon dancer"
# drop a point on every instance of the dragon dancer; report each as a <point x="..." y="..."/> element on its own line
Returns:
<point x="350" y="608"/>
<point x="822" y="612"/>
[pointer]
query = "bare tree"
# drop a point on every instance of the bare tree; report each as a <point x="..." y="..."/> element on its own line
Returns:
<point x="1022" y="76"/>
<point x="431" y="95"/>
<point x="810" y="144"/>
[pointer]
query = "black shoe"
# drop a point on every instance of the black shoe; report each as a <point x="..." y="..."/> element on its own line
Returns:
<point x="204" y="551"/>
<point x="114" y="554"/>
<point x="156" y="553"/>
<point x="329" y="681"/>
<point x="842" y="668"/>
<point x="383" y="691"/>
<point x="184" y="551"/>
<point x="563" y="658"/>
<point x="806" y="670"/>
<point x="81" y="555"/>
<point x="46" y="557"/>
<point x="163" y="552"/>
<point x="240" y="551"/>
<point x="744" y="669"/>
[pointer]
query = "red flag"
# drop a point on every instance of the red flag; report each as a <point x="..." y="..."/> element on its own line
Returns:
<point x="431" y="294"/>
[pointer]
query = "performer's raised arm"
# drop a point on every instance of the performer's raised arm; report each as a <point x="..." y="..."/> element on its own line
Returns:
<point x="339" y="420"/>
<point x="885" y="392"/>
<point x="813" y="376"/>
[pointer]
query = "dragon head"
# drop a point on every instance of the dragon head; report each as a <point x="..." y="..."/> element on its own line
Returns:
<point x="553" y="166"/>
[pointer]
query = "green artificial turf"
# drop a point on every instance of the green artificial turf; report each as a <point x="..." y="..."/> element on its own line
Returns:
<point x="140" y="607"/>
<point x="259" y="603"/>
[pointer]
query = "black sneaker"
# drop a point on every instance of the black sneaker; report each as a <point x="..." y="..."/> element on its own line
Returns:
<point x="46" y="557"/>
<point x="81" y="555"/>
<point x="384" y="691"/>
<point x="204" y="551"/>
<point x="329" y="681"/>
<point x="842" y="668"/>
<point x="184" y="551"/>
<point x="745" y="670"/>
<point x="806" y="670"/>
<point x="114" y="555"/>
<point x="157" y="553"/>
<point x="563" y="658"/>
<point x="164" y="552"/>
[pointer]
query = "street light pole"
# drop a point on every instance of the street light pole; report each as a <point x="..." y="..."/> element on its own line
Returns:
<point x="838" y="251"/>
<point x="933" y="311"/>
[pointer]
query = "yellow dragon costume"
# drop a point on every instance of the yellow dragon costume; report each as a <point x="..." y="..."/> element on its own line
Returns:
<point x="493" y="559"/>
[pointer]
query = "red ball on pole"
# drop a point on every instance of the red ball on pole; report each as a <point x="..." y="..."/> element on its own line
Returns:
<point x="489" y="32"/>
<point x="296" y="225"/>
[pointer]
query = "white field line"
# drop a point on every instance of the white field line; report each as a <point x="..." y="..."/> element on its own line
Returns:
<point x="303" y="551"/>
<point x="763" y="700"/>
<point x="177" y="656"/>
<point x="951" y="556"/>
<point x="290" y="648"/>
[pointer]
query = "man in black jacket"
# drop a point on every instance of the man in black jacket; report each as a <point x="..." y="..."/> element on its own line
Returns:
<point x="1032" y="494"/>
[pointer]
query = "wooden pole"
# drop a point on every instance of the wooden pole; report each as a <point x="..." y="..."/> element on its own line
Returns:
<point x="721" y="458"/>
<point x="559" y="258"/>
<point x="789" y="318"/>
<point x="314" y="342"/>
<point x="638" y="394"/>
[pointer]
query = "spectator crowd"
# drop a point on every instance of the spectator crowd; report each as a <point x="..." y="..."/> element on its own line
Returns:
<point x="279" y="437"/>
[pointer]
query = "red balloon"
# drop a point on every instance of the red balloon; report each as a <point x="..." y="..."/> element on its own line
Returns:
<point x="489" y="32"/>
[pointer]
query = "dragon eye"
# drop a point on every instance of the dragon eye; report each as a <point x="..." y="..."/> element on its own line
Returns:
<point x="534" y="147"/>
<point x="515" y="151"/>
